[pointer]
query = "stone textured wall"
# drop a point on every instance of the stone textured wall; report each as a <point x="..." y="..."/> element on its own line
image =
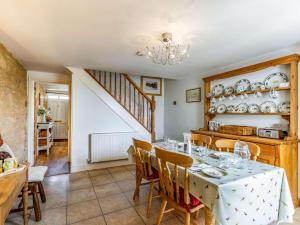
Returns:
<point x="13" y="100"/>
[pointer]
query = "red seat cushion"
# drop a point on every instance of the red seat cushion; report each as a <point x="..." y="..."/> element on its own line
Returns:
<point x="194" y="202"/>
<point x="154" y="174"/>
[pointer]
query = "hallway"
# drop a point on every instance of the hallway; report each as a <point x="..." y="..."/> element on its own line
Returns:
<point x="57" y="161"/>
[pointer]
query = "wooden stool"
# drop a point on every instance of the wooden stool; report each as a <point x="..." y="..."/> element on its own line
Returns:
<point x="36" y="174"/>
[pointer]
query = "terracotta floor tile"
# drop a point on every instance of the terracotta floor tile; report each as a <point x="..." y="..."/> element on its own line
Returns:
<point x="122" y="175"/>
<point x="94" y="173"/>
<point x="127" y="185"/>
<point x="102" y="179"/>
<point x="107" y="190"/>
<point x="94" y="221"/>
<point x="124" y="217"/>
<point x="114" y="203"/>
<point x="80" y="183"/>
<point x="78" y="175"/>
<point x="116" y="169"/>
<point x="81" y="195"/>
<point x="51" y="217"/>
<point x="82" y="211"/>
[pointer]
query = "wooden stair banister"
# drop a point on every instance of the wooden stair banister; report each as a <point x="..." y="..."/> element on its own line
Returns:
<point x="129" y="95"/>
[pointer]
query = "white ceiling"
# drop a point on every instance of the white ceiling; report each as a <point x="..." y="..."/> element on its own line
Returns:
<point x="105" y="34"/>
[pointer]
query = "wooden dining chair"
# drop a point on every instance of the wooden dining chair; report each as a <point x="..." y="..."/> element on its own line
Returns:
<point x="201" y="140"/>
<point x="225" y="145"/>
<point x="254" y="150"/>
<point x="144" y="170"/>
<point x="177" y="196"/>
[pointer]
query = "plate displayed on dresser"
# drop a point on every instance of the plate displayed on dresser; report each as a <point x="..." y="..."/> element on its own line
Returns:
<point x="221" y="108"/>
<point x="257" y="86"/>
<point x="242" y="85"/>
<point x="229" y="90"/>
<point x="212" y="109"/>
<point x="218" y="89"/>
<point x="268" y="107"/>
<point x="230" y="108"/>
<point x="241" y="108"/>
<point x="253" y="108"/>
<point x="284" y="107"/>
<point x="275" y="79"/>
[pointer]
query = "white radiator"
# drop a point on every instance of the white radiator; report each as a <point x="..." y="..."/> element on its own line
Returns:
<point x="109" y="146"/>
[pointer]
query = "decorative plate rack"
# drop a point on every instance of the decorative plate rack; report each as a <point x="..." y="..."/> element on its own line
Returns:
<point x="292" y="89"/>
<point x="282" y="153"/>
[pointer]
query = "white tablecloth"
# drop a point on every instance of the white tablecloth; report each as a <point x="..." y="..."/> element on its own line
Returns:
<point x="257" y="194"/>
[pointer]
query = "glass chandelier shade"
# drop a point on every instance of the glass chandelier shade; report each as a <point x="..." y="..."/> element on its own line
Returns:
<point x="168" y="52"/>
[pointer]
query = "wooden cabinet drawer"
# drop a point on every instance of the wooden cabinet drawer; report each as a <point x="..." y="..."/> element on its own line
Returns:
<point x="267" y="154"/>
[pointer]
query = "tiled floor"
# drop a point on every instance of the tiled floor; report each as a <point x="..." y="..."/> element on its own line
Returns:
<point x="99" y="197"/>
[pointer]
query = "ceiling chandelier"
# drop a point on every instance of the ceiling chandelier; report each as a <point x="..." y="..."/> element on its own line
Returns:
<point x="168" y="52"/>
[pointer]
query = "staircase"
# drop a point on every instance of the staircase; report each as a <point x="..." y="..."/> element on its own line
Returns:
<point x="125" y="91"/>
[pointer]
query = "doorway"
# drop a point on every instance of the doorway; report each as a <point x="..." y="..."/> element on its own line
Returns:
<point x="52" y="107"/>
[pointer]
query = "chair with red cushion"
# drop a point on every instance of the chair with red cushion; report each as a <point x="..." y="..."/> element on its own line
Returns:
<point x="177" y="196"/>
<point x="144" y="170"/>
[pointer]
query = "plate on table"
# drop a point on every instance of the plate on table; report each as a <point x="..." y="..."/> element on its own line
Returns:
<point x="230" y="108"/>
<point x="275" y="79"/>
<point x="221" y="108"/>
<point x="268" y="107"/>
<point x="284" y="107"/>
<point x="212" y="172"/>
<point x="229" y="90"/>
<point x="253" y="108"/>
<point x="257" y="86"/>
<point x="242" y="85"/>
<point x="241" y="108"/>
<point x="218" y="89"/>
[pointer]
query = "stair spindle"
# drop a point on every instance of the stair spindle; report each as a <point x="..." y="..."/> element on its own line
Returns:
<point x="120" y="90"/>
<point x="115" y="85"/>
<point x="110" y="91"/>
<point x="125" y="91"/>
<point x="129" y="97"/>
<point x="134" y="103"/>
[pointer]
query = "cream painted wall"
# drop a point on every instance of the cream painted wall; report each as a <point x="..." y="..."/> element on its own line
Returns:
<point x="183" y="116"/>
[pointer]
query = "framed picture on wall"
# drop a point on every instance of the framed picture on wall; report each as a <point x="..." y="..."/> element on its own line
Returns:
<point x="151" y="85"/>
<point x="193" y="95"/>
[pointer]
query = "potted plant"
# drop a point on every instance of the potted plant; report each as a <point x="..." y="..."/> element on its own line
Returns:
<point x="41" y="114"/>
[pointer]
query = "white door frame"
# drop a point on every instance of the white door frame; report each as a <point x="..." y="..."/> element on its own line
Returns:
<point x="32" y="77"/>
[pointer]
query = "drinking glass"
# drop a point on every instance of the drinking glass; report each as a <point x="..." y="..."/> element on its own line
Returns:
<point x="224" y="161"/>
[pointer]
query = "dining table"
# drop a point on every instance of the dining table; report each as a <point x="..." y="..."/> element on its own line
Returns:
<point x="248" y="192"/>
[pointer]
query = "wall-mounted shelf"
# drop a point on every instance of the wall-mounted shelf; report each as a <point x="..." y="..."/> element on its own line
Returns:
<point x="242" y="114"/>
<point x="250" y="92"/>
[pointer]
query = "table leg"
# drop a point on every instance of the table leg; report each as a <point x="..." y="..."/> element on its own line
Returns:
<point x="25" y="203"/>
<point x="209" y="217"/>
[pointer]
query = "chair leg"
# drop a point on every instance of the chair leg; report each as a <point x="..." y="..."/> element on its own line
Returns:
<point x="36" y="203"/>
<point x="161" y="212"/>
<point x="150" y="199"/>
<point x="42" y="192"/>
<point x="187" y="219"/>
<point x="25" y="203"/>
<point x="196" y="215"/>
<point x="137" y="187"/>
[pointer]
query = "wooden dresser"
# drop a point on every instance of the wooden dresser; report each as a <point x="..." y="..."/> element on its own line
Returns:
<point x="282" y="153"/>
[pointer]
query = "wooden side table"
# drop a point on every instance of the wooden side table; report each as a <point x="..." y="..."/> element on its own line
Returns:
<point x="11" y="186"/>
